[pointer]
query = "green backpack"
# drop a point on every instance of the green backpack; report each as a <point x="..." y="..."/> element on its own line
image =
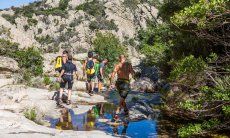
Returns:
<point x="97" y="68"/>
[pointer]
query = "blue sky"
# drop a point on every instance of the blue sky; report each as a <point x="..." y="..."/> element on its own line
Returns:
<point x="8" y="3"/>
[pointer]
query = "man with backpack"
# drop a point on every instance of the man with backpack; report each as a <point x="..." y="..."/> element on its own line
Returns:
<point x="100" y="75"/>
<point x="66" y="77"/>
<point x="89" y="71"/>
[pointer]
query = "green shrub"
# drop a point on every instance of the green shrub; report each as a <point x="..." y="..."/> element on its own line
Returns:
<point x="63" y="4"/>
<point x="30" y="59"/>
<point x="10" y="18"/>
<point x="39" y="30"/>
<point x="189" y="130"/>
<point x="4" y="31"/>
<point x="32" y="22"/>
<point x="226" y="110"/>
<point x="54" y="86"/>
<point x="46" y="80"/>
<point x="76" y="22"/>
<point x="30" y="114"/>
<point x="95" y="8"/>
<point x="52" y="48"/>
<point x="189" y="105"/>
<point x="54" y="12"/>
<point x="108" y="46"/>
<point x="26" y="27"/>
<point x="131" y="4"/>
<point x="8" y="48"/>
<point x="44" y="39"/>
<point x="189" y="66"/>
<point x="103" y="24"/>
<point x="154" y="54"/>
<point x="193" y="129"/>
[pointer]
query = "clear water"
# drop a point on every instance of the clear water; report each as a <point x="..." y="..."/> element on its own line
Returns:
<point x="102" y="117"/>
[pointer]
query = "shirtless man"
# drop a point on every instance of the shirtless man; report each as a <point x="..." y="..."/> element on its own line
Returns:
<point x="123" y="69"/>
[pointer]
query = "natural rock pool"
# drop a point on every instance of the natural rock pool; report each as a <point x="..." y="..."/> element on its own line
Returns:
<point x="102" y="117"/>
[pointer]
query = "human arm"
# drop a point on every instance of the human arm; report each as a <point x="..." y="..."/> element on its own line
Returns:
<point x="84" y="67"/>
<point x="101" y="72"/>
<point x="61" y="74"/>
<point x="113" y="74"/>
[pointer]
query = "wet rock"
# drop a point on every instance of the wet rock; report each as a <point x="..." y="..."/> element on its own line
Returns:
<point x="150" y="72"/>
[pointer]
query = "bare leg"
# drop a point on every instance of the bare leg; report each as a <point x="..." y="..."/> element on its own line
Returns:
<point x="60" y="93"/>
<point x="69" y="94"/>
<point x="92" y="86"/>
<point x="99" y="86"/>
<point x="89" y="87"/>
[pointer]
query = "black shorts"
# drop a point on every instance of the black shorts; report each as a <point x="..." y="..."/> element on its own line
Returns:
<point x="100" y="79"/>
<point x="123" y="87"/>
<point x="67" y="79"/>
<point x="91" y="78"/>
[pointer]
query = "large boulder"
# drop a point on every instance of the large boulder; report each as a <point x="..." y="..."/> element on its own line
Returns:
<point x="144" y="85"/>
<point x="80" y="56"/>
<point x="79" y="86"/>
<point x="8" y="64"/>
<point x="49" y="63"/>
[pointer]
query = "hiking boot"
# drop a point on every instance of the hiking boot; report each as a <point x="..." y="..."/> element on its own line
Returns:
<point x="91" y="93"/>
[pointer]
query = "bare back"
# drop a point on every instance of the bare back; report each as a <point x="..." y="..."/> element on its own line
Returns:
<point x="123" y="70"/>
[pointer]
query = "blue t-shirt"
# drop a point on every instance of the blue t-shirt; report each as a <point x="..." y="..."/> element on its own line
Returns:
<point x="69" y="67"/>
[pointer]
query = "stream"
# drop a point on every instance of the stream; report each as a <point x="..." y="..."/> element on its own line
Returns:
<point x="102" y="117"/>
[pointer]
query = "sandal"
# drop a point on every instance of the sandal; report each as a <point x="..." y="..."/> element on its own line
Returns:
<point x="68" y="102"/>
<point x="59" y="101"/>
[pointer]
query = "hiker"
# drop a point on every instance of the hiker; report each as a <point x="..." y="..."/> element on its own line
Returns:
<point x="60" y="60"/>
<point x="89" y="71"/>
<point x="100" y="75"/>
<point x="66" y="76"/>
<point x="97" y="70"/>
<point x="123" y="69"/>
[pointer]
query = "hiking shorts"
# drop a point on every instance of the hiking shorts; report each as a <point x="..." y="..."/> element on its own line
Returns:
<point x="91" y="78"/>
<point x="100" y="79"/>
<point x="67" y="79"/>
<point x="123" y="87"/>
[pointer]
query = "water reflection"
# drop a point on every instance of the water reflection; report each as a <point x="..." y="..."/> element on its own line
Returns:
<point x="103" y="117"/>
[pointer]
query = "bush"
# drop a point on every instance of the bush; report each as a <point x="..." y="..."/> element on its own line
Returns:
<point x="10" y="18"/>
<point x="131" y="4"/>
<point x="154" y="54"/>
<point x="39" y="30"/>
<point x="103" y="24"/>
<point x="76" y="22"/>
<point x="26" y="27"/>
<point x="44" y="39"/>
<point x="8" y="48"/>
<point x="63" y="4"/>
<point x="30" y="59"/>
<point x="108" y="46"/>
<point x="32" y="22"/>
<point x="30" y="114"/>
<point x="189" y="66"/>
<point x="193" y="129"/>
<point x="46" y="80"/>
<point x="95" y="8"/>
